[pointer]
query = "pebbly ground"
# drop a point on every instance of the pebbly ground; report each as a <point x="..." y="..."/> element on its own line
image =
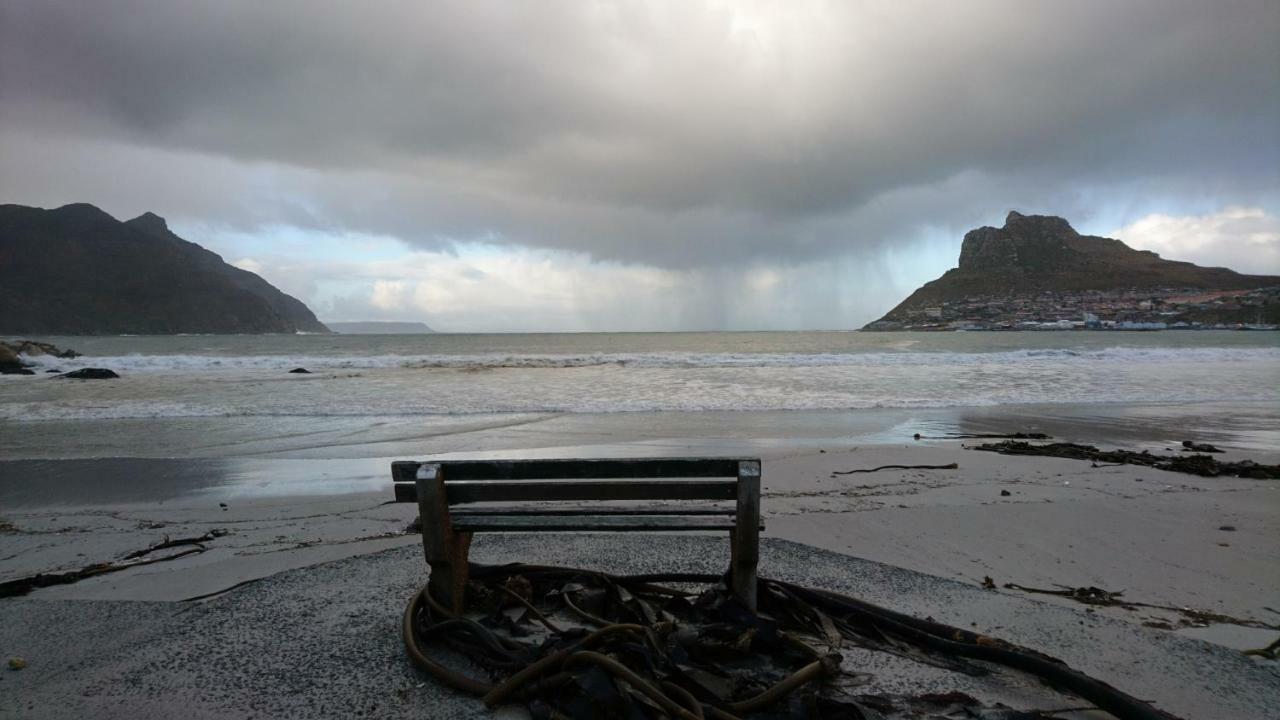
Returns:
<point x="323" y="641"/>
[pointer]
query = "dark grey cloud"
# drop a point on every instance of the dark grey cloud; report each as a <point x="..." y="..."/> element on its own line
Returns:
<point x="671" y="134"/>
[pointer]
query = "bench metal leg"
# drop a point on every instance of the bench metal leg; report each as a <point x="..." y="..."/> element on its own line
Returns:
<point x="445" y="550"/>
<point x="745" y="538"/>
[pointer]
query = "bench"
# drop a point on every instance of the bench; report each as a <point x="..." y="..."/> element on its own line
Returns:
<point x="455" y="499"/>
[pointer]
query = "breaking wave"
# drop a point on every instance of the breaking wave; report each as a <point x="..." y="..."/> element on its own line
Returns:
<point x="495" y="361"/>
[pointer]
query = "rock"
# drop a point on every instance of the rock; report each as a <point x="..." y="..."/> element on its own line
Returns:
<point x="1188" y="446"/>
<point x="1227" y="528"/>
<point x="32" y="348"/>
<point x="90" y="374"/>
<point x="300" y="371"/>
<point x="10" y="363"/>
<point x="1005" y="493"/>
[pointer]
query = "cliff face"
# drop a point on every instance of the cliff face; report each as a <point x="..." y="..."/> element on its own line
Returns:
<point x="1033" y="254"/>
<point x="78" y="271"/>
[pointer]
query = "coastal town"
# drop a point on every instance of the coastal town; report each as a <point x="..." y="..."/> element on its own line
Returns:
<point x="1145" y="309"/>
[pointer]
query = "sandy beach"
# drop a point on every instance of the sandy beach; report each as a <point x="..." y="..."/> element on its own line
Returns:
<point x="284" y="480"/>
<point x="1175" y="540"/>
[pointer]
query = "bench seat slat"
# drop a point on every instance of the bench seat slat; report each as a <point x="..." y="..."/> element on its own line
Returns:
<point x="602" y="469"/>
<point x="571" y="523"/>
<point x="621" y="511"/>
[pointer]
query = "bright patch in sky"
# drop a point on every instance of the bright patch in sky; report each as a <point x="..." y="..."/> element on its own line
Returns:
<point x="1245" y="239"/>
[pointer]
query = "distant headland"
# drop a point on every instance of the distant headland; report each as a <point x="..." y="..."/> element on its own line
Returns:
<point x="379" y="327"/>
<point x="76" y="270"/>
<point x="1037" y="272"/>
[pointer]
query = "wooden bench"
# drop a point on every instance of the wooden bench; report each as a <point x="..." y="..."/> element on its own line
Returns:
<point x="440" y="488"/>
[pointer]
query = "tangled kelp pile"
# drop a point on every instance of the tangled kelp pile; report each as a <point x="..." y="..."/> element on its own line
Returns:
<point x="1202" y="465"/>
<point x="570" y="643"/>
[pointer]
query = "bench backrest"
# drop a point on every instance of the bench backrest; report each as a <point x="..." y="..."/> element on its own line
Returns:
<point x="439" y="486"/>
<point x="472" y="481"/>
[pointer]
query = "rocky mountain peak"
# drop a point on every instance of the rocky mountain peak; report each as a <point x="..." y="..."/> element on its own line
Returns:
<point x="149" y="222"/>
<point x="1036" y="254"/>
<point x="1041" y="226"/>
<point x="1023" y="241"/>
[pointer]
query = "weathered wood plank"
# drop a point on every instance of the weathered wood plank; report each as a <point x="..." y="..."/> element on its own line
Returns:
<point x="745" y="538"/>
<point x="407" y="492"/>
<point x="577" y="523"/>
<point x="468" y="491"/>
<point x="620" y="511"/>
<point x="445" y="549"/>
<point x="600" y="469"/>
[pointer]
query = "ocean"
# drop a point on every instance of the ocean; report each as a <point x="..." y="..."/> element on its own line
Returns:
<point x="442" y="374"/>
<point x="370" y="396"/>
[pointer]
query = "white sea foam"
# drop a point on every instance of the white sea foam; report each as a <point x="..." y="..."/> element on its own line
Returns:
<point x="186" y="363"/>
<point x="347" y="383"/>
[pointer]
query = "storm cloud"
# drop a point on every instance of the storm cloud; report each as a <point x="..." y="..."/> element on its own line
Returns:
<point x="679" y="136"/>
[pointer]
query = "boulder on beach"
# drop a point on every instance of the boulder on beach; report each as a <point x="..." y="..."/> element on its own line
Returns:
<point x="90" y="374"/>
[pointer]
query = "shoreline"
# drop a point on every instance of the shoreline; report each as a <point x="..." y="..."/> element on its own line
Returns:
<point x="1154" y="535"/>
<point x="310" y="497"/>
<point x="1252" y="426"/>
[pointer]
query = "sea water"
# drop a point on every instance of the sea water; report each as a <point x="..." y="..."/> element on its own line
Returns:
<point x="447" y="374"/>
<point x="221" y="416"/>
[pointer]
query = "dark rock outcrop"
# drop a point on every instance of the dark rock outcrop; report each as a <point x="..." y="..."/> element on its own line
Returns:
<point x="8" y="358"/>
<point x="90" y="374"/>
<point x="11" y="362"/>
<point x="1033" y="254"/>
<point x="32" y="348"/>
<point x="78" y="271"/>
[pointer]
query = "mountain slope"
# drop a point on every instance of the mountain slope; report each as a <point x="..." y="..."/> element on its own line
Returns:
<point x="1034" y="254"/>
<point x="76" y="270"/>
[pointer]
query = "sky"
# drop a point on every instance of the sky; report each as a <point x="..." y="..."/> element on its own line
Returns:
<point x="618" y="166"/>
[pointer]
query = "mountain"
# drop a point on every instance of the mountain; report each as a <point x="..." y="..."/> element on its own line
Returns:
<point x="379" y="327"/>
<point x="1037" y="256"/>
<point x="78" y="271"/>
